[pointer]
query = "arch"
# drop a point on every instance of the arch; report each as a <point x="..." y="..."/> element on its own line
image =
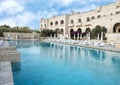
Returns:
<point x="71" y="21"/>
<point x="87" y="30"/>
<point x="51" y="23"/>
<point x="88" y="19"/>
<point x="61" y="22"/>
<point x="56" y="22"/>
<point x="79" y="20"/>
<point x="71" y="33"/>
<point x="62" y="31"/>
<point x="79" y="30"/>
<point x="71" y="30"/>
<point x="116" y="28"/>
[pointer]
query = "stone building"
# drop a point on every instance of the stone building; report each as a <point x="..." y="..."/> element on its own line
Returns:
<point x="107" y="16"/>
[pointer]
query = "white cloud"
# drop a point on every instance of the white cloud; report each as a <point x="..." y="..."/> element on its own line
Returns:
<point x="8" y="21"/>
<point x="26" y="18"/>
<point x="23" y="19"/>
<point x="19" y="15"/>
<point x="63" y="2"/>
<point x="67" y="2"/>
<point x="11" y="7"/>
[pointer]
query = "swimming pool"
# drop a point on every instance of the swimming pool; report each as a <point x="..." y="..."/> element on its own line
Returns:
<point x="56" y="64"/>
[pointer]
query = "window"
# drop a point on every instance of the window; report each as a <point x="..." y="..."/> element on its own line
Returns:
<point x="118" y="12"/>
<point x="62" y="22"/>
<point x="99" y="16"/>
<point x="92" y="17"/>
<point x="72" y="22"/>
<point x="56" y="23"/>
<point x="51" y="23"/>
<point x="117" y="6"/>
<point x="88" y="19"/>
<point x="45" y="25"/>
<point x="79" y="20"/>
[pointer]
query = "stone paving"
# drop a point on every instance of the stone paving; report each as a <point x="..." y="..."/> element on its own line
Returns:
<point x="6" y="77"/>
<point x="8" y="54"/>
<point x="12" y="56"/>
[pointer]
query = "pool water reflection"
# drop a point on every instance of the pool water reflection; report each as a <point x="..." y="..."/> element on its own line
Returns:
<point x="56" y="64"/>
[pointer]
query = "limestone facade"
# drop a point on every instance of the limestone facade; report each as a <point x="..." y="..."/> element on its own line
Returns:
<point x="107" y="16"/>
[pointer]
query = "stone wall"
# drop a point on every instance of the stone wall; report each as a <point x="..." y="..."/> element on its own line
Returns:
<point x="113" y="38"/>
<point x="17" y="36"/>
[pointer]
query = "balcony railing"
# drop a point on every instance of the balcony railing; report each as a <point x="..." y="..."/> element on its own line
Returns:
<point x="78" y="24"/>
<point x="70" y="25"/>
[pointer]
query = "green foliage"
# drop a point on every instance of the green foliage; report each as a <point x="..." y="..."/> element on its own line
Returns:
<point x="5" y="28"/>
<point x="97" y="30"/>
<point x="48" y="33"/>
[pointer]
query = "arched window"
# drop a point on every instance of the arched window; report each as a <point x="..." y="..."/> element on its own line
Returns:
<point x="61" y="22"/>
<point x="117" y="7"/>
<point x="116" y="28"/>
<point x="79" y="20"/>
<point x="88" y="19"/>
<point x="72" y="21"/>
<point x="45" y="25"/>
<point x="92" y="17"/>
<point x="117" y="12"/>
<point x="56" y="23"/>
<point x="51" y="23"/>
<point x="99" y="16"/>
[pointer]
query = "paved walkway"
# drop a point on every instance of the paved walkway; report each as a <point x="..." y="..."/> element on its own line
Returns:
<point x="108" y="48"/>
<point x="6" y="77"/>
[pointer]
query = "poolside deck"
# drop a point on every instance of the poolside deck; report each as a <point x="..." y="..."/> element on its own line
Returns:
<point x="8" y="54"/>
<point x="108" y="48"/>
<point x="6" y="77"/>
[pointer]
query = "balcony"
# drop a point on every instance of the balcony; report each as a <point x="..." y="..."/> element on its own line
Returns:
<point x="88" y="24"/>
<point x="62" y="25"/>
<point x="70" y="25"/>
<point x="78" y="24"/>
<point x="51" y="26"/>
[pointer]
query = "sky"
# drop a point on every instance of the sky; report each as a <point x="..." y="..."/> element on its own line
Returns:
<point x="29" y="12"/>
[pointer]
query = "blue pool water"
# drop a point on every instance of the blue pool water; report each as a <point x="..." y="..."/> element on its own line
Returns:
<point x="55" y="64"/>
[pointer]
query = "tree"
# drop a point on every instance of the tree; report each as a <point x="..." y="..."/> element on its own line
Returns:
<point x="6" y="28"/>
<point x="97" y="30"/>
<point x="48" y="33"/>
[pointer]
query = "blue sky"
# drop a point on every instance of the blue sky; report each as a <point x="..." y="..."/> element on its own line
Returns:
<point x="29" y="12"/>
